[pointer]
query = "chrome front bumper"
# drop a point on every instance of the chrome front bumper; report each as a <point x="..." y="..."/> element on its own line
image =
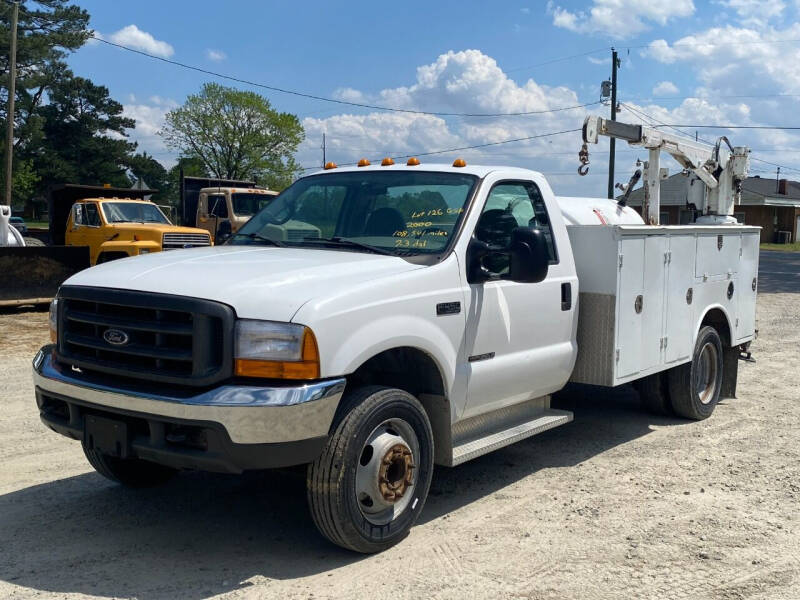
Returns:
<point x="249" y="414"/>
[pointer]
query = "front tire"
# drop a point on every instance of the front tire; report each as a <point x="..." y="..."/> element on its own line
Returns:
<point x="130" y="472"/>
<point x="367" y="488"/>
<point x="694" y="387"/>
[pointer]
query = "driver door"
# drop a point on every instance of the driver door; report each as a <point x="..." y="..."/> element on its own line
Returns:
<point x="519" y="339"/>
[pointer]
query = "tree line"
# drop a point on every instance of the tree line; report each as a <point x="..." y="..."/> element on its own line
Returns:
<point x="69" y="129"/>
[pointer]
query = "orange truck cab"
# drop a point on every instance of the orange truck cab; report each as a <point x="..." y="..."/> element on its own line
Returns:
<point x="115" y="223"/>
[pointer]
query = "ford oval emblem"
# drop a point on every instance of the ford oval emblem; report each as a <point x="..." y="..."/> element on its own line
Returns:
<point x="116" y="337"/>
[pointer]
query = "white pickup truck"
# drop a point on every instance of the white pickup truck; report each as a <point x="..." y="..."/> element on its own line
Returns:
<point x="374" y="321"/>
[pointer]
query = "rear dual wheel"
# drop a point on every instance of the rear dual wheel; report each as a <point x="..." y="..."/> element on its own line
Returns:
<point x="690" y="390"/>
<point x="694" y="387"/>
<point x="369" y="485"/>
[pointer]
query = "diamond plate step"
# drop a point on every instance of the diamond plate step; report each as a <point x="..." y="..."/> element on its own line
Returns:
<point x="546" y="419"/>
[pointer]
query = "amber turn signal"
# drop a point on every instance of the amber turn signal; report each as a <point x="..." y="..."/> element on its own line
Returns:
<point x="306" y="368"/>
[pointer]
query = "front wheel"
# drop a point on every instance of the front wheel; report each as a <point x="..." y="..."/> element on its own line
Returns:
<point x="694" y="387"/>
<point x="368" y="487"/>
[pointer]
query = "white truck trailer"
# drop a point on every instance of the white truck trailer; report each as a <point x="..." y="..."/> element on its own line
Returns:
<point x="425" y="317"/>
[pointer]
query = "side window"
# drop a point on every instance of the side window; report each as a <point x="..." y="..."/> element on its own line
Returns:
<point x="508" y="206"/>
<point x="217" y="207"/>
<point x="78" y="215"/>
<point x="92" y="216"/>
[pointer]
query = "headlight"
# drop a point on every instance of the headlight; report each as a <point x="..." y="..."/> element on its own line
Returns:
<point x="275" y="350"/>
<point x="53" y="320"/>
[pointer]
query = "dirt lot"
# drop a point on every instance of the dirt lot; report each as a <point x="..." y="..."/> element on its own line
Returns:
<point x="617" y="504"/>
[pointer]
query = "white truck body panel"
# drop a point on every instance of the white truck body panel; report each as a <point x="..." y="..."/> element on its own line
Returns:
<point x="620" y="264"/>
<point x="510" y="344"/>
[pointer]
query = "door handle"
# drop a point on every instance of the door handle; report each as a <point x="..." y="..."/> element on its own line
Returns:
<point x="566" y="296"/>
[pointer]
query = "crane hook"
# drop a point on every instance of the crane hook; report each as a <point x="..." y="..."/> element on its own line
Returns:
<point x="583" y="157"/>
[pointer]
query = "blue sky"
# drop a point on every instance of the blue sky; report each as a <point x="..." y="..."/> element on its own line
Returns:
<point x="448" y="56"/>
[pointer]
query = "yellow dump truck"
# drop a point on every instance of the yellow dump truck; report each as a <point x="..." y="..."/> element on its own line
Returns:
<point x="116" y="223"/>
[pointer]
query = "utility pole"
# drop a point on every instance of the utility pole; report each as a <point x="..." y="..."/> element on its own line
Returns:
<point x="323" y="151"/>
<point x="613" y="145"/>
<point x="12" y="91"/>
<point x="778" y="181"/>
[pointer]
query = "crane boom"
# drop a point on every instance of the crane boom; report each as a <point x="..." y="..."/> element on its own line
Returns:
<point x="722" y="175"/>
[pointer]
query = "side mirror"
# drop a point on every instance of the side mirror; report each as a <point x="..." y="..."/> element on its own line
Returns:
<point x="529" y="258"/>
<point x="476" y="252"/>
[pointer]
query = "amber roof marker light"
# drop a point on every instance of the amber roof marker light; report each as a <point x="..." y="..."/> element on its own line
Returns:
<point x="413" y="161"/>
<point x="459" y="162"/>
<point x="330" y="165"/>
<point x="363" y="163"/>
<point x="387" y="162"/>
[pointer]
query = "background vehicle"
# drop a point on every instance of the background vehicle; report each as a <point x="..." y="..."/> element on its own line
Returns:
<point x="115" y="223"/>
<point x="19" y="224"/>
<point x="426" y="320"/>
<point x="30" y="273"/>
<point x="220" y="206"/>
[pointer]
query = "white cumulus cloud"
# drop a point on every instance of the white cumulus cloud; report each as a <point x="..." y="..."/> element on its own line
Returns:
<point x="215" y="55"/>
<point x="149" y="116"/>
<point x="133" y="37"/>
<point x="619" y="18"/>
<point x="665" y="88"/>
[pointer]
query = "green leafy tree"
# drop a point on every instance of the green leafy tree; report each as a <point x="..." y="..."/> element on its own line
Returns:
<point x="23" y="182"/>
<point x="237" y="135"/>
<point x="191" y="166"/>
<point x="77" y="146"/>
<point x="148" y="169"/>
<point x="47" y="30"/>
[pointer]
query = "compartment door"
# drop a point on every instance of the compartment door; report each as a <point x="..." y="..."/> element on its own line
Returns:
<point x="652" y="316"/>
<point x="629" y="322"/>
<point x="679" y="313"/>
<point x="748" y="273"/>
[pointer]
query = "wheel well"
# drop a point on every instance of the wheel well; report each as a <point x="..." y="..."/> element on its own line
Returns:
<point x="716" y="318"/>
<point x="415" y="372"/>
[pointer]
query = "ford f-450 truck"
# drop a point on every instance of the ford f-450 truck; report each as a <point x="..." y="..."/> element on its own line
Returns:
<point x="425" y="316"/>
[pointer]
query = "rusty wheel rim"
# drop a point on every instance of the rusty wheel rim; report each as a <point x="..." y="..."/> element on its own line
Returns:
<point x="386" y="472"/>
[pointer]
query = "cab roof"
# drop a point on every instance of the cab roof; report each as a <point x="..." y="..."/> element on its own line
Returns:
<point x="477" y="170"/>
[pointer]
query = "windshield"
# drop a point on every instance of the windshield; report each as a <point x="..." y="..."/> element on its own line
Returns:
<point x="133" y="212"/>
<point x="247" y="205"/>
<point x="402" y="212"/>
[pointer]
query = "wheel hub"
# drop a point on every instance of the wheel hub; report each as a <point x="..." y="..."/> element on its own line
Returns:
<point x="706" y="373"/>
<point x="395" y="475"/>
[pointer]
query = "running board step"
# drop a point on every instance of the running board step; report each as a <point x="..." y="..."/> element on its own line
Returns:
<point x="547" y="418"/>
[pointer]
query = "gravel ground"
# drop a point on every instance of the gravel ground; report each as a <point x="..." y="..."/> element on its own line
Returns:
<point x="617" y="504"/>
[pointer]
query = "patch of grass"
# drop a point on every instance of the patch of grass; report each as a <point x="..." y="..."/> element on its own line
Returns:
<point x="42" y="224"/>
<point x="795" y="247"/>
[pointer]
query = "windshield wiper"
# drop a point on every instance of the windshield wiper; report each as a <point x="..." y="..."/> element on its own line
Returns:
<point x="257" y="236"/>
<point x="340" y="241"/>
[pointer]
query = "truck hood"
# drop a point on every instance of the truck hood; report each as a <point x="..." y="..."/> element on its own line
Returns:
<point x="258" y="282"/>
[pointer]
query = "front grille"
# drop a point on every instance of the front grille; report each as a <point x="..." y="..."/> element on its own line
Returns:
<point x="157" y="337"/>
<point x="175" y="241"/>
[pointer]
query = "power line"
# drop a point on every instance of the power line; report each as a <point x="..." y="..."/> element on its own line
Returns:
<point x="334" y="100"/>
<point x="771" y="127"/>
<point x="713" y="45"/>
<point x="555" y="60"/>
<point x="674" y="127"/>
<point x="486" y="145"/>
